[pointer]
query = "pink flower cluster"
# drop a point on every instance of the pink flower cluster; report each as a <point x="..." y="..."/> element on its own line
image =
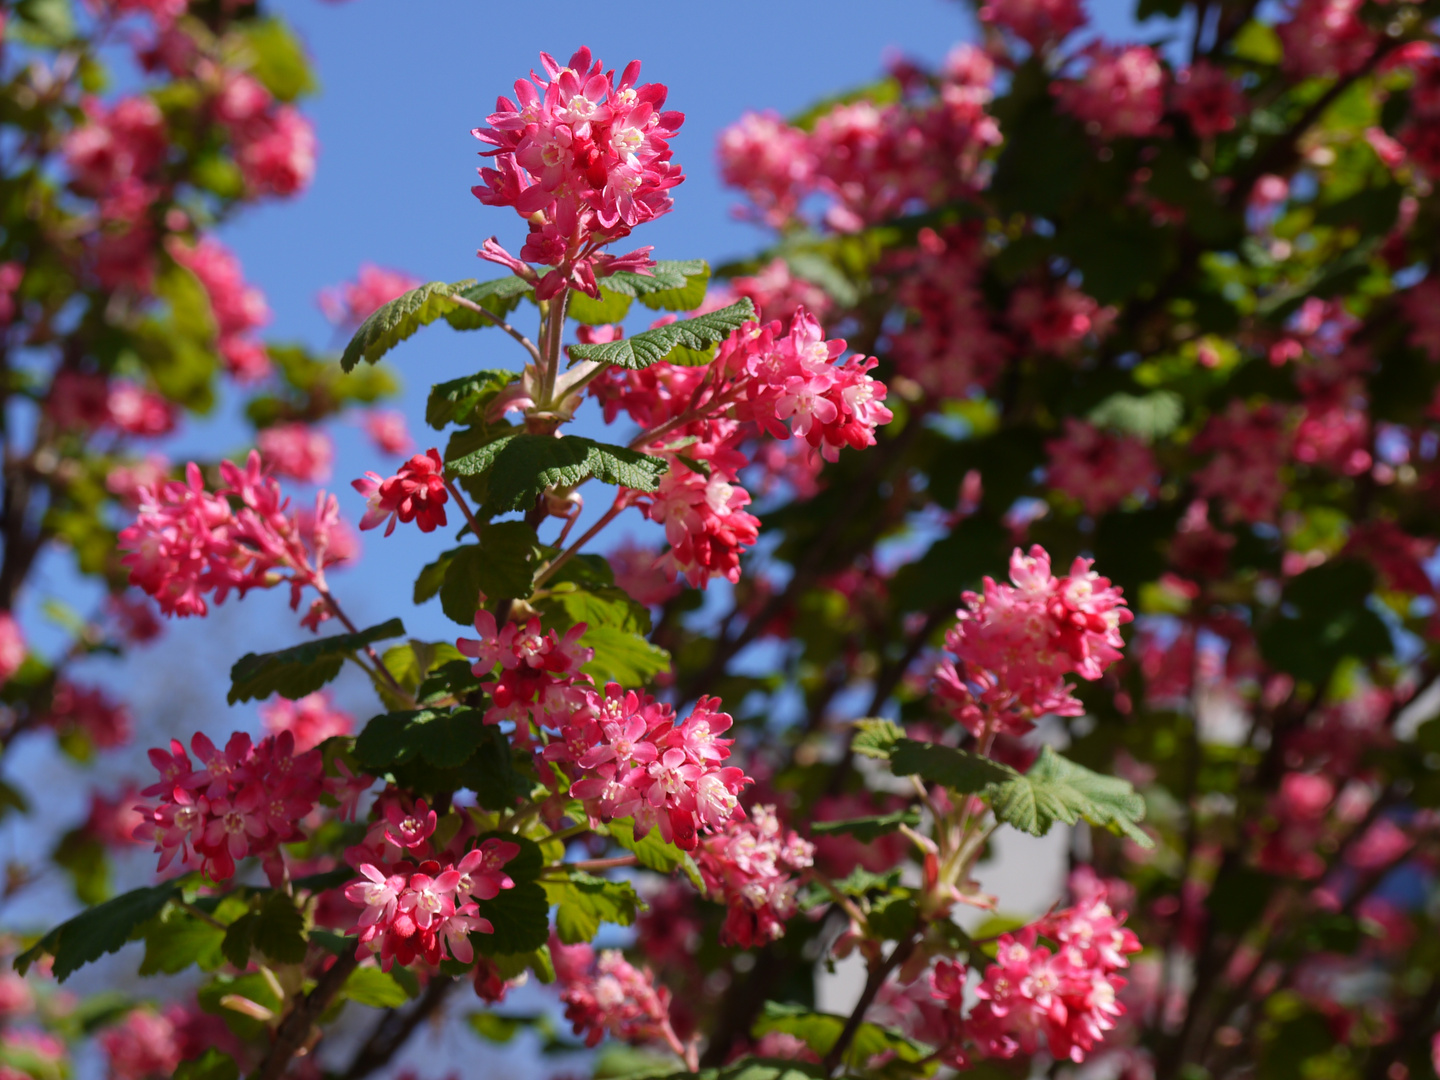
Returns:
<point x="115" y="154"/>
<point x="1419" y="136"/>
<point x="387" y="431"/>
<point x="89" y="711"/>
<point x="540" y="675"/>
<point x="1210" y="99"/>
<point x="1041" y="24"/>
<point x="1017" y="642"/>
<point x="241" y="801"/>
<point x="872" y="162"/>
<point x="239" y="309"/>
<point x="418" y="900"/>
<point x="627" y="757"/>
<point x="759" y="380"/>
<point x="274" y="144"/>
<point x="750" y="867"/>
<point x="1120" y="93"/>
<point x="12" y="647"/>
<point x="584" y="158"/>
<point x="310" y="720"/>
<point x="187" y="542"/>
<point x="349" y="304"/>
<point x="611" y="997"/>
<point x="416" y="493"/>
<point x="1245" y="475"/>
<point x="91" y="402"/>
<point x="1100" y="470"/>
<point x="1325" y="38"/>
<point x="1057" y="321"/>
<point x="1068" y="998"/>
<point x="1420" y="305"/>
<point x="297" y="450"/>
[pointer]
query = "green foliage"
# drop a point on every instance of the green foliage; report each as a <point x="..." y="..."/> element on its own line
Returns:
<point x="520" y="467"/>
<point x="653" y="852"/>
<point x="277" y="59"/>
<point x="521" y="916"/>
<point x="375" y="988"/>
<point x="213" y="1064"/>
<point x="1323" y="619"/>
<point x="444" y="738"/>
<point x="649" y="347"/>
<point x="867" y="829"/>
<point x="463" y="400"/>
<point x="584" y="902"/>
<point x="876" y="737"/>
<point x="96" y="931"/>
<point x="176" y="940"/>
<point x="623" y="656"/>
<point x="402" y="317"/>
<point x="1058" y="790"/>
<point x="965" y="773"/>
<point x="302" y="669"/>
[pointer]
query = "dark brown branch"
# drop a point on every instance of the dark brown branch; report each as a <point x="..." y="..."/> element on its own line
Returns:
<point x="394" y="1029"/>
<point x="294" y="1031"/>
<point x="878" y="975"/>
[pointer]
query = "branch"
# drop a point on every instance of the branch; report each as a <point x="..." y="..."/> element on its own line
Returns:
<point x="502" y="324"/>
<point x="294" y="1031"/>
<point x="878" y="975"/>
<point x="394" y="1029"/>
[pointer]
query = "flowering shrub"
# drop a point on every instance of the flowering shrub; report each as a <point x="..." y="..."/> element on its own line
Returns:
<point x="1110" y="513"/>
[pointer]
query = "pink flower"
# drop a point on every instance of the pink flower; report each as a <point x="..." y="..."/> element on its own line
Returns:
<point x="298" y="451"/>
<point x="416" y="493"/>
<point x="1325" y="38"/>
<point x="1421" y="307"/>
<point x="12" y="647"/>
<point x="705" y="523"/>
<point x="276" y="152"/>
<point x="638" y="571"/>
<point x="349" y="304"/>
<point x="144" y="1045"/>
<point x="1039" y="23"/>
<point x="11" y="274"/>
<point x="1098" y="470"/>
<point x="771" y="162"/>
<point x="310" y="720"/>
<point x="239" y="309"/>
<point x="1245" y="473"/>
<point x="1121" y="93"/>
<point x="387" y="431"/>
<point x="750" y="867"/>
<point x="163" y="12"/>
<point x="1209" y="98"/>
<point x="90" y="712"/>
<point x="611" y="997"/>
<point x="115" y="149"/>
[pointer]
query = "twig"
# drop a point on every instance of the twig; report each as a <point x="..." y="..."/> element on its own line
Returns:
<point x="502" y="324"/>
<point x="574" y="549"/>
<point x="587" y="865"/>
<point x="394" y="1029"/>
<point x="385" y="672"/>
<point x="878" y="975"/>
<point x="294" y="1031"/>
<point x="464" y="506"/>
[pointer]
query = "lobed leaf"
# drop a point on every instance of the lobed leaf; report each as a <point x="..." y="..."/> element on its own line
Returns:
<point x="442" y="737"/>
<point x="521" y="916"/>
<point x="458" y="401"/>
<point x="375" y="988"/>
<point x="401" y="318"/>
<point x="1057" y="790"/>
<point x="623" y="656"/>
<point x="963" y="772"/>
<point x="96" y="931"/>
<point x="867" y="829"/>
<point x="302" y="669"/>
<point x="585" y="901"/>
<point x="651" y="346"/>
<point x="655" y="853"/>
<point x="820" y="1030"/>
<point x="522" y="466"/>
<point x="875" y="737"/>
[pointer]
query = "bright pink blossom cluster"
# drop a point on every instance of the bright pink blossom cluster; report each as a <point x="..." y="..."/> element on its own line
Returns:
<point x="349" y="304"/>
<point x="1120" y="93"/>
<point x="242" y="801"/>
<point x="187" y="542"/>
<point x="1067" y="997"/>
<point x="416" y="493"/>
<point x="1210" y="99"/>
<point x="388" y="431"/>
<point x="1098" y="469"/>
<point x="91" y="402"/>
<point x="416" y="899"/>
<point x="540" y="678"/>
<point x="89" y="711"/>
<point x="1039" y="23"/>
<point x="750" y="866"/>
<point x="274" y="144"/>
<point x="609" y="996"/>
<point x="584" y="158"/>
<point x="627" y="757"/>
<point x="1016" y="643"/>
<point x="1325" y="38"/>
<point x="871" y="161"/>
<point x="239" y="309"/>
<point x="12" y="647"/>
<point x="297" y="450"/>
<point x="310" y="720"/>
<point x="762" y="381"/>
<point x="1245" y="474"/>
<point x="1057" y="320"/>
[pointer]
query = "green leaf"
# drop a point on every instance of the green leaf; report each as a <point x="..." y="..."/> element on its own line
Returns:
<point x="401" y="318"/>
<point x="655" y="853"/>
<point x="412" y="661"/>
<point x="820" y="1030"/>
<point x="44" y="23"/>
<point x="499" y="297"/>
<point x="83" y="857"/>
<point x="673" y="286"/>
<point x="213" y="1064"/>
<point x="239" y="940"/>
<point x="595" y="605"/>
<point x="1324" y="618"/>
<point x="1258" y="43"/>
<point x="965" y="773"/>
<point x="521" y="916"/>
<point x="280" y="929"/>
<point x="1149" y="417"/>
<point x="1056" y="789"/>
<point x="522" y="466"/>
<point x="867" y="829"/>
<point x="876" y="737"/>
<point x="444" y="738"/>
<point x="647" y="348"/>
<point x="176" y="940"/>
<point x="623" y="656"/>
<point x="495" y="1028"/>
<point x="610" y="308"/>
<point x="303" y="669"/>
<point x="277" y="59"/>
<point x="502" y="566"/>
<point x="585" y="902"/>
<point x="375" y="988"/>
<point x="463" y="401"/>
<point x="102" y="929"/>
